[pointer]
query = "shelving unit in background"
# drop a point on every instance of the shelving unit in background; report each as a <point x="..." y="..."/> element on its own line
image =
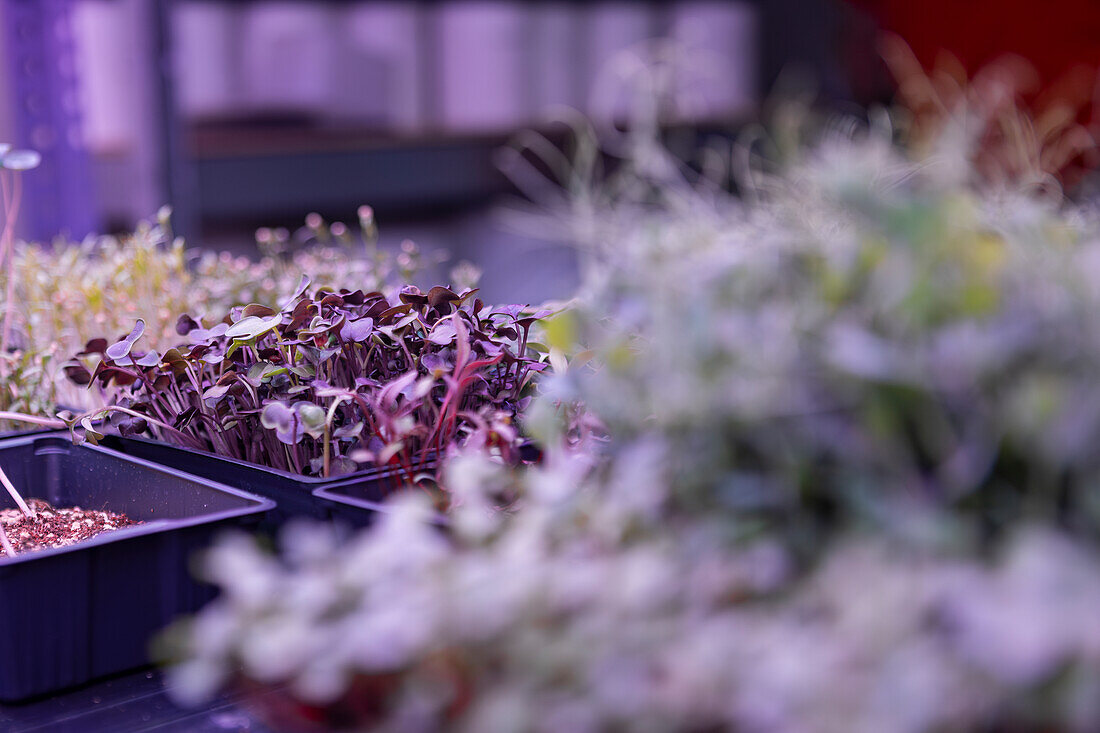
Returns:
<point x="155" y="135"/>
<point x="240" y="149"/>
<point x="264" y="175"/>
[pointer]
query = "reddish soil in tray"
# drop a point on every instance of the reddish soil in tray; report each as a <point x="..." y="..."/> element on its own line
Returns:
<point x="57" y="527"/>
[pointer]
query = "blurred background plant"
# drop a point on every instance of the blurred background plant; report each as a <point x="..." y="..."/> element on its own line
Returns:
<point x="331" y="254"/>
<point x="1043" y="144"/>
<point x="849" y="483"/>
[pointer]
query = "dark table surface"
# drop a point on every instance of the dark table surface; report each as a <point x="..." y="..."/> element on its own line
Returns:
<point x="128" y="704"/>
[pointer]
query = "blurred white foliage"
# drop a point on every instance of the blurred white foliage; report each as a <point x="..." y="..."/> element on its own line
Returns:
<point x="665" y="581"/>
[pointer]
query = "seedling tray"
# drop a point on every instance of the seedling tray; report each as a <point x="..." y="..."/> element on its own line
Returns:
<point x="73" y="614"/>
<point x="294" y="494"/>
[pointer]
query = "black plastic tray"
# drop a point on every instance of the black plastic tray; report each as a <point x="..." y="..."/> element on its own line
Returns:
<point x="294" y="494"/>
<point x="358" y="503"/>
<point x="73" y="614"/>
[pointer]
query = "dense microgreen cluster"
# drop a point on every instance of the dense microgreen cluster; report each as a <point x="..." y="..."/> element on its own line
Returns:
<point x="331" y="381"/>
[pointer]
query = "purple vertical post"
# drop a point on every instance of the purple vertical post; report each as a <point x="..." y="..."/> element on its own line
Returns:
<point x="41" y="64"/>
